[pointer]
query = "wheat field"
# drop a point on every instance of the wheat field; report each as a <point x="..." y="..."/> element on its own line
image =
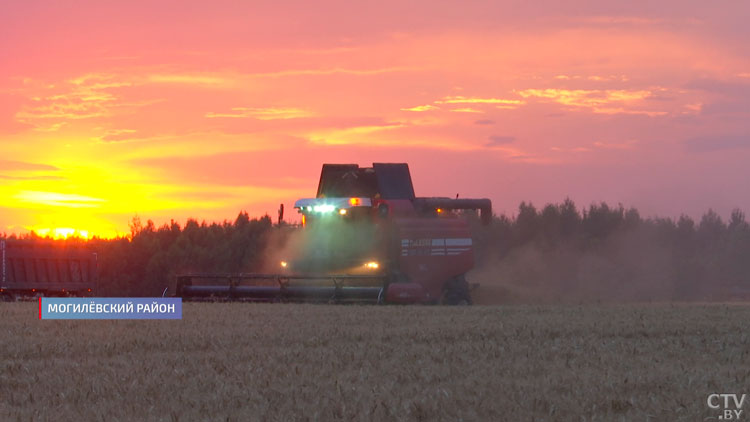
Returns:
<point x="240" y="361"/>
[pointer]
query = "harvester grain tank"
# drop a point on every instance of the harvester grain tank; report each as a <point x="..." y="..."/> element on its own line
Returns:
<point x="365" y="237"/>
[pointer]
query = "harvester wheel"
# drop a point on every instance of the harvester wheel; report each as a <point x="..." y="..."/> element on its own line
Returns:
<point x="456" y="292"/>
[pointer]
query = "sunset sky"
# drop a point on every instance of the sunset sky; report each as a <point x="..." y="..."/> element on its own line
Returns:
<point x="201" y="109"/>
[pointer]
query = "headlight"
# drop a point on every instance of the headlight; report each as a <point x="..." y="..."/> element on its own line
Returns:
<point x="372" y="265"/>
<point x="323" y="208"/>
<point x="284" y="264"/>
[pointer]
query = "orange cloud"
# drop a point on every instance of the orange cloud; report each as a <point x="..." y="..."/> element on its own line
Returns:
<point x="426" y="107"/>
<point x="584" y="97"/>
<point x="355" y="135"/>
<point x="476" y="100"/>
<point x="58" y="199"/>
<point x="187" y="79"/>
<point x="610" y="101"/>
<point x="270" y="113"/>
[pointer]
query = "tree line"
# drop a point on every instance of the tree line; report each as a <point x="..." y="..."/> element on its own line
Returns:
<point x="610" y="253"/>
<point x="557" y="252"/>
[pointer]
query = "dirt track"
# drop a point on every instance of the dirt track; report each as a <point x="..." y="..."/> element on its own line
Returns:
<point x="318" y="362"/>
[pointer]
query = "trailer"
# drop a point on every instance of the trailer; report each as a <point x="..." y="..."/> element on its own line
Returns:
<point x="34" y="268"/>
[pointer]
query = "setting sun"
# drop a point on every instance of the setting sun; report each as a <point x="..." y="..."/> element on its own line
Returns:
<point x="61" y="233"/>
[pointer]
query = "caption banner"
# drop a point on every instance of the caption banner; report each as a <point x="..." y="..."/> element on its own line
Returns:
<point x="110" y="308"/>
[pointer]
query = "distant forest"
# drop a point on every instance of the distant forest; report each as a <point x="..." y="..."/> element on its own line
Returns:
<point x="556" y="253"/>
<point x="612" y="254"/>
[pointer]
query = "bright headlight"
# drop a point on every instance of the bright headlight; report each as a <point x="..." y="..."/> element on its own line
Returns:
<point x="372" y="265"/>
<point x="323" y="208"/>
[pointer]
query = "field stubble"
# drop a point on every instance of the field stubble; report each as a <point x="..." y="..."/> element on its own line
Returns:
<point x="238" y="361"/>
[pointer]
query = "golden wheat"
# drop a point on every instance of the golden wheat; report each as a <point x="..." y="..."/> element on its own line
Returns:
<point x="239" y="361"/>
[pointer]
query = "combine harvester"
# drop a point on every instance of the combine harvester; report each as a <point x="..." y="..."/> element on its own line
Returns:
<point x="32" y="268"/>
<point x="365" y="237"/>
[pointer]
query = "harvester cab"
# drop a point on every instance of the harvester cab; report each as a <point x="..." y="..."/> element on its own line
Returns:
<point x="365" y="237"/>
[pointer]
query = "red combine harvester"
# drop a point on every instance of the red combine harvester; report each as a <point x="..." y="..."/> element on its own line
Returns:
<point x="365" y="237"/>
<point x="31" y="268"/>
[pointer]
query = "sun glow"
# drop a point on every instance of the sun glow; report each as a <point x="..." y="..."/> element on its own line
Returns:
<point x="127" y="125"/>
<point x="58" y="199"/>
<point x="61" y="233"/>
